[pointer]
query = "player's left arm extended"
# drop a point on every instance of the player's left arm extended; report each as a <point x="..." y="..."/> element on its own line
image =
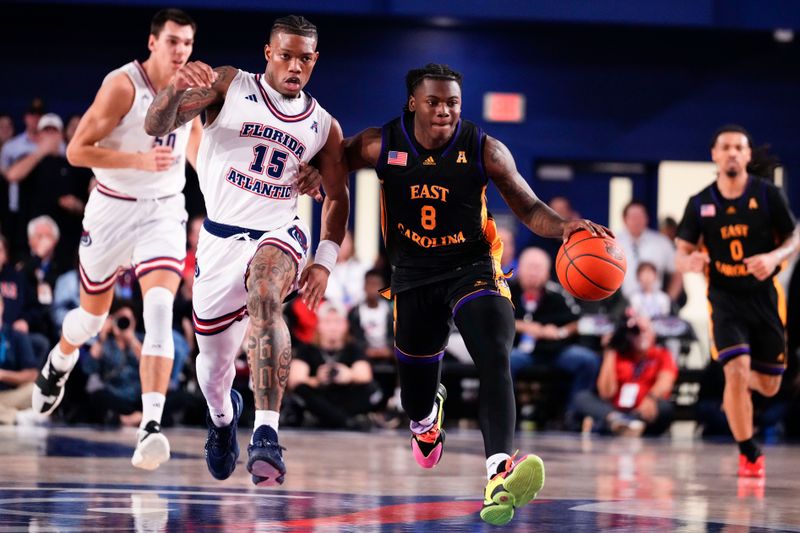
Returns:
<point x="535" y="214"/>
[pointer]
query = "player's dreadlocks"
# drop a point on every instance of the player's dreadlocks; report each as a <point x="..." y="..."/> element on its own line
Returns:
<point x="433" y="71"/>
<point x="294" y="24"/>
<point x="762" y="163"/>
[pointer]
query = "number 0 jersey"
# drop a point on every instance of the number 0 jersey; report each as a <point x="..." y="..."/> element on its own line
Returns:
<point x="433" y="205"/>
<point x="129" y="136"/>
<point x="249" y="155"/>
<point x="733" y="229"/>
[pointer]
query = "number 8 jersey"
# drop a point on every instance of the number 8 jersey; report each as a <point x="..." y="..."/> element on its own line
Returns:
<point x="129" y="136"/>
<point x="250" y="154"/>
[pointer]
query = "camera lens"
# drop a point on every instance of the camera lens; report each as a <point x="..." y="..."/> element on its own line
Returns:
<point x="123" y="322"/>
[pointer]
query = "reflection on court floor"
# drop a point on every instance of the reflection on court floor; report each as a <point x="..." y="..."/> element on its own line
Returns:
<point x="70" y="479"/>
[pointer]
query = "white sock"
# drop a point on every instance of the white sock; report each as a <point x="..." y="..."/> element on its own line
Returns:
<point x="421" y="426"/>
<point x="265" y="418"/>
<point x="152" y="407"/>
<point x="224" y="416"/>
<point x="493" y="462"/>
<point x="61" y="361"/>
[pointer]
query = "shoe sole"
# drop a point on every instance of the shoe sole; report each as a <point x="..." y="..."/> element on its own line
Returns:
<point x="520" y="487"/>
<point x="151" y="452"/>
<point x="267" y="473"/>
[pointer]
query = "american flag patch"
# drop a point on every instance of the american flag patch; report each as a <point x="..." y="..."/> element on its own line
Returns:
<point x="708" y="210"/>
<point x="397" y="158"/>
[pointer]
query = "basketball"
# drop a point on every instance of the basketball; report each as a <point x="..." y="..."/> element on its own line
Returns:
<point x="589" y="267"/>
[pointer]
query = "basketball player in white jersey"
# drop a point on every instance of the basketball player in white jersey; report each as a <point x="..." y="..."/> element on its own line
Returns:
<point x="251" y="255"/>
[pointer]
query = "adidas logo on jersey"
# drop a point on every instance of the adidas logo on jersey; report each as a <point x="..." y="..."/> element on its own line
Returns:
<point x="251" y="97"/>
<point x="429" y="162"/>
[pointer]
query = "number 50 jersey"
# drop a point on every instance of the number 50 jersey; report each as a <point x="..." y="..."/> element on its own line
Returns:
<point x="250" y="154"/>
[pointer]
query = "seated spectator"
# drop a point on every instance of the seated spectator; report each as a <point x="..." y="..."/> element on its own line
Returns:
<point x="371" y="321"/>
<point x="113" y="369"/>
<point x="66" y="297"/>
<point x="6" y="129"/>
<point x="41" y="270"/>
<point x="18" y="370"/>
<point x="346" y="282"/>
<point x="634" y="385"/>
<point x="547" y="326"/>
<point x="647" y="299"/>
<point x="508" y="261"/>
<point x="17" y="294"/>
<point x="332" y="379"/>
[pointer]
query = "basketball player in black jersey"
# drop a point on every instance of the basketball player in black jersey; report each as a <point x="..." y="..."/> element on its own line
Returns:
<point x="443" y="245"/>
<point x="739" y="230"/>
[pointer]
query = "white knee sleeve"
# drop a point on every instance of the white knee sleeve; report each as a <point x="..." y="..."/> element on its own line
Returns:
<point x="158" y="323"/>
<point x="79" y="326"/>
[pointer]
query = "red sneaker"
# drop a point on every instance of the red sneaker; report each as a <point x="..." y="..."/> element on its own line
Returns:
<point x="748" y="469"/>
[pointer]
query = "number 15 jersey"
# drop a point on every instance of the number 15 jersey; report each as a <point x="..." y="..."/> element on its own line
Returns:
<point x="250" y="154"/>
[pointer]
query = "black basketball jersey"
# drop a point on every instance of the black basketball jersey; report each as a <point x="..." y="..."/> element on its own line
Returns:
<point x="433" y="205"/>
<point x="732" y="229"/>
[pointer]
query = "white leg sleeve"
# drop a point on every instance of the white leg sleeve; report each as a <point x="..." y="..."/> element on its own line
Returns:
<point x="79" y="326"/>
<point x="158" y="323"/>
<point x="215" y="370"/>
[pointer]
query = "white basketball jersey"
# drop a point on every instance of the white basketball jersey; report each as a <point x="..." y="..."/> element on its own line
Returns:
<point x="129" y="136"/>
<point x="249" y="156"/>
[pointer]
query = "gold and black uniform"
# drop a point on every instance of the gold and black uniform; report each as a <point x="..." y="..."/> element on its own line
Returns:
<point x="747" y="315"/>
<point x="440" y="238"/>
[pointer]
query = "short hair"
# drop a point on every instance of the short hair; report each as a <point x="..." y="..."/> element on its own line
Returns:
<point x="179" y="17"/>
<point x="635" y="203"/>
<point x="43" y="219"/>
<point x="431" y="71"/>
<point x="644" y="265"/>
<point x="374" y="273"/>
<point x="295" y="25"/>
<point x="731" y="128"/>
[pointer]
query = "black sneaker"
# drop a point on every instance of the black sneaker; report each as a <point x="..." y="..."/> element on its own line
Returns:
<point x="48" y="389"/>
<point x="265" y="460"/>
<point x="222" y="448"/>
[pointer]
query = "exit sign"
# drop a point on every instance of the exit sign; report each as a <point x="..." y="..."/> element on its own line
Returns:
<point x="504" y="107"/>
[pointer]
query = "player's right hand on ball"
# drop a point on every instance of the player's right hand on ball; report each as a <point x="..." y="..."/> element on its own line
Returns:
<point x="194" y="74"/>
<point x="698" y="261"/>
<point x="159" y="158"/>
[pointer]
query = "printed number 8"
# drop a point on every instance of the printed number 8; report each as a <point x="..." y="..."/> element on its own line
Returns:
<point x="428" y="217"/>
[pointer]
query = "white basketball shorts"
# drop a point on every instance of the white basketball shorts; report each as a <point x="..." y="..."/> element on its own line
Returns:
<point x="219" y="296"/>
<point x="120" y="232"/>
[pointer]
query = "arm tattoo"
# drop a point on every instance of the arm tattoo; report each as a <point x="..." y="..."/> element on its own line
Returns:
<point x="519" y="196"/>
<point x="171" y="109"/>
<point x="269" y="351"/>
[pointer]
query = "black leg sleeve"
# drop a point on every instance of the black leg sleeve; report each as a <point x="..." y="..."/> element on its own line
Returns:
<point x="418" y="384"/>
<point x="487" y="326"/>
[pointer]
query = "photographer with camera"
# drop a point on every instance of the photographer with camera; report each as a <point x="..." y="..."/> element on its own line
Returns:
<point x="634" y="385"/>
<point x="332" y="378"/>
<point x="113" y="369"/>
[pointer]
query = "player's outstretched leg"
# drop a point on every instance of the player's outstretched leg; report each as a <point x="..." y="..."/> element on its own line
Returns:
<point x="222" y="447"/>
<point x="516" y="483"/>
<point x="79" y="326"/>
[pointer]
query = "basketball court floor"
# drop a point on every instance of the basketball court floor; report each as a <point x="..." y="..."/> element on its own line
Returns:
<point x="80" y="479"/>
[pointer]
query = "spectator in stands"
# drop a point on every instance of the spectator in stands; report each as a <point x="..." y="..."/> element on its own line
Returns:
<point x="669" y="229"/>
<point x="18" y="370"/>
<point x="371" y="321"/>
<point x="641" y="243"/>
<point x="23" y="144"/>
<point x="508" y="261"/>
<point x="71" y="127"/>
<point x="6" y="129"/>
<point x="113" y="369"/>
<point x="547" y="326"/>
<point x="647" y="299"/>
<point x="66" y="296"/>
<point x="332" y="379"/>
<point x="346" y="282"/>
<point x="41" y="270"/>
<point x="49" y="185"/>
<point x="634" y="385"/>
<point x="18" y="296"/>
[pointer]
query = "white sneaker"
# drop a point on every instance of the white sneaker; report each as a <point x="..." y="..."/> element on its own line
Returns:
<point x="152" y="448"/>
<point x="29" y="417"/>
<point x="48" y="389"/>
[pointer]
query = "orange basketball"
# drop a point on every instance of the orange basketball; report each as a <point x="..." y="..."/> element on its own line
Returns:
<point x="590" y="268"/>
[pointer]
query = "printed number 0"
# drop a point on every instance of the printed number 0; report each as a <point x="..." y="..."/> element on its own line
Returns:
<point x="428" y="217"/>
<point x="737" y="251"/>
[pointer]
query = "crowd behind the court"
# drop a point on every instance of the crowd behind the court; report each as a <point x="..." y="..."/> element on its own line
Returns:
<point x="608" y="366"/>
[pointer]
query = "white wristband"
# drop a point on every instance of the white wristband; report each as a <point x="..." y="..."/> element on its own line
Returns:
<point x="326" y="255"/>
